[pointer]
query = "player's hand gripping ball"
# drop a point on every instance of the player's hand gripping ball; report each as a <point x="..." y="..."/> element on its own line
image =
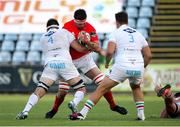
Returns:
<point x="83" y="38"/>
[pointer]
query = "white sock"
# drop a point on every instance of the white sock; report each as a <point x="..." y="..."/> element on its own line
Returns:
<point x="33" y="99"/>
<point x="88" y="106"/>
<point x="78" y="96"/>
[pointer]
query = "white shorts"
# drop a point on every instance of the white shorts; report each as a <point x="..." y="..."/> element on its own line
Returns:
<point x="57" y="69"/>
<point x="120" y="74"/>
<point x="85" y="63"/>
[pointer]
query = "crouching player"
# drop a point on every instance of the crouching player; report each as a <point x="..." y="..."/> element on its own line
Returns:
<point x="58" y="63"/>
<point x="172" y="101"/>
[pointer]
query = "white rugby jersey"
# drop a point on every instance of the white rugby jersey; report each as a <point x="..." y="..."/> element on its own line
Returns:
<point x="55" y="44"/>
<point x="129" y="43"/>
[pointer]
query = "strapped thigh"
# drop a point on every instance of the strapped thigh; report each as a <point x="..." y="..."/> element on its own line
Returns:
<point x="43" y="85"/>
<point x="98" y="78"/>
<point x="64" y="86"/>
<point x="78" y="85"/>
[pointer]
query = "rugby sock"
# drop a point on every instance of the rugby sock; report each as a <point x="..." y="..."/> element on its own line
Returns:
<point x="33" y="99"/>
<point x="140" y="109"/>
<point x="57" y="103"/>
<point x="88" y="106"/>
<point x="78" y="96"/>
<point x="108" y="96"/>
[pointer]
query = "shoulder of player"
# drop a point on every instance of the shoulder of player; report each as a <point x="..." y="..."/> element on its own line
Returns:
<point x="89" y="26"/>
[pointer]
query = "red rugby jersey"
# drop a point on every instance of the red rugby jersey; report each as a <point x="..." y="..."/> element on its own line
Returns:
<point x="71" y="27"/>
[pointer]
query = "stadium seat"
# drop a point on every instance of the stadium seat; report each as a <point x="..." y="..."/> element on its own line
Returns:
<point x="132" y="12"/>
<point x="36" y="37"/>
<point x="143" y="23"/>
<point x="10" y="37"/>
<point x="150" y="3"/>
<point x="145" y="12"/>
<point x="22" y="46"/>
<point x="19" y="57"/>
<point x="132" y="22"/>
<point x="36" y="46"/>
<point x="33" y="57"/>
<point x="25" y="37"/>
<point x="134" y="3"/>
<point x="8" y="46"/>
<point x="144" y="32"/>
<point x="5" y="57"/>
<point x="1" y="37"/>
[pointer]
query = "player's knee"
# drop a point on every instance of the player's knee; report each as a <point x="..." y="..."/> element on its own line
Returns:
<point x="43" y="85"/>
<point x="78" y="85"/>
<point x="134" y="86"/>
<point x="64" y="88"/>
<point x="98" y="78"/>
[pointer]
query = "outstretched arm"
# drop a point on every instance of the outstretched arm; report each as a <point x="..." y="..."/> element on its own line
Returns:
<point x="78" y="47"/>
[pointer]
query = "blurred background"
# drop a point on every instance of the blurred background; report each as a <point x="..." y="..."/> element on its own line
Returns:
<point x="22" y="23"/>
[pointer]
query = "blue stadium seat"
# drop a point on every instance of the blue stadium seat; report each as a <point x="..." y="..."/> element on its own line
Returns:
<point x="132" y="12"/>
<point x="144" y="32"/>
<point x="36" y="46"/>
<point x="134" y="3"/>
<point x="5" y="57"/>
<point x="19" y="57"/>
<point x="145" y="12"/>
<point x="132" y="22"/>
<point x="25" y="37"/>
<point x="11" y="37"/>
<point x="36" y="37"/>
<point x="143" y="23"/>
<point x="8" y="46"/>
<point x="150" y="3"/>
<point x="33" y="57"/>
<point x="22" y="46"/>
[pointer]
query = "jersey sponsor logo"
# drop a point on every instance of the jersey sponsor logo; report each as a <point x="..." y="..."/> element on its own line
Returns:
<point x="129" y="30"/>
<point x="57" y="65"/>
<point x="133" y="73"/>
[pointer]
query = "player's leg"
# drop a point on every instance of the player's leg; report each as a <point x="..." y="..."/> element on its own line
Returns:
<point x="97" y="77"/>
<point x="39" y="92"/>
<point x="105" y="85"/>
<point x="87" y="65"/>
<point x="78" y="85"/>
<point x="59" y="98"/>
<point x="139" y="100"/>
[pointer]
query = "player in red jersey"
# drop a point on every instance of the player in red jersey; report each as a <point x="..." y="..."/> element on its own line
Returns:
<point x="85" y="63"/>
<point x="172" y="102"/>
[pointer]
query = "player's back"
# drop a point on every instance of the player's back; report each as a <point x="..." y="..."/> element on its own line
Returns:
<point x="56" y="44"/>
<point x="129" y="44"/>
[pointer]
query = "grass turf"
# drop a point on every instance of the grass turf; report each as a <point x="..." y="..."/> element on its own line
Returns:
<point x="100" y="115"/>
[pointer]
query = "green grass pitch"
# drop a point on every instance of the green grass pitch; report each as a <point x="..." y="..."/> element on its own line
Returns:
<point x="100" y="115"/>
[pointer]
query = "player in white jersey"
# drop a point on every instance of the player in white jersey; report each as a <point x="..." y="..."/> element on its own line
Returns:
<point x="58" y="63"/>
<point x="132" y="55"/>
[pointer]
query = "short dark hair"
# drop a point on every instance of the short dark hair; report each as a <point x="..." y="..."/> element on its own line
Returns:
<point x="52" y="21"/>
<point x="121" y="17"/>
<point x="80" y="14"/>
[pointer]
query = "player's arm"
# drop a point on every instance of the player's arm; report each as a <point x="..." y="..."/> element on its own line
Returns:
<point x="164" y="114"/>
<point x="146" y="55"/>
<point x="74" y="44"/>
<point x="94" y="46"/>
<point x="110" y="51"/>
